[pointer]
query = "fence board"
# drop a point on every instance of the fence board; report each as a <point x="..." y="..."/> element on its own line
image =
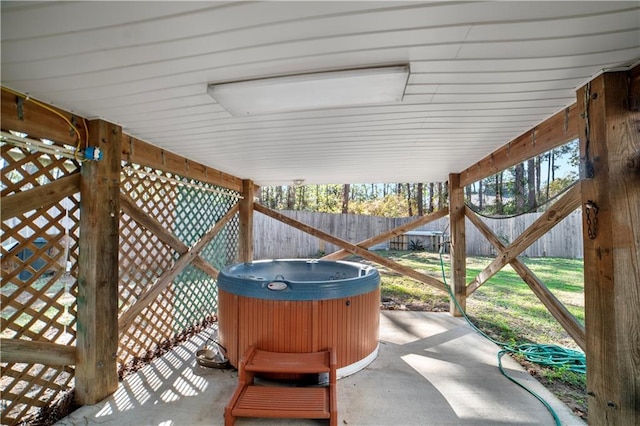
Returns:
<point x="273" y="239"/>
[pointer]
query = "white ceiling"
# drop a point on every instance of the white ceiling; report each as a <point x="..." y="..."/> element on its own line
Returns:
<point x="481" y="74"/>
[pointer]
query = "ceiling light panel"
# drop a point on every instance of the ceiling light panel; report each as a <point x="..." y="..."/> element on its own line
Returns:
<point x="312" y="91"/>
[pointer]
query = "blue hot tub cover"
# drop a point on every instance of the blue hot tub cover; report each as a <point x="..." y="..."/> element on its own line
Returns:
<point x="298" y="279"/>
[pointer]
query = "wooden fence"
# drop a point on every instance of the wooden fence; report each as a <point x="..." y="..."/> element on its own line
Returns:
<point x="273" y="239"/>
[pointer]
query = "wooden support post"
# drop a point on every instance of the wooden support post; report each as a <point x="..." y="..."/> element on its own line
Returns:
<point x="97" y="340"/>
<point x="245" y="244"/>
<point x="458" y="245"/>
<point x="610" y="168"/>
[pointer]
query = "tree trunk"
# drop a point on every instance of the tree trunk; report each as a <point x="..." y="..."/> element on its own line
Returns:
<point x="549" y="161"/>
<point x="291" y="197"/>
<point x="431" y="191"/>
<point x="480" y="195"/>
<point x="409" y="206"/>
<point x="519" y="188"/>
<point x="278" y="197"/>
<point x="419" y="199"/>
<point x="302" y="198"/>
<point x="531" y="183"/>
<point x="440" y="196"/>
<point x="538" y="173"/>
<point x="499" y="206"/>
<point x="346" y="192"/>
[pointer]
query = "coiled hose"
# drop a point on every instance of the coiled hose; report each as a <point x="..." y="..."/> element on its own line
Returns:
<point x="546" y="355"/>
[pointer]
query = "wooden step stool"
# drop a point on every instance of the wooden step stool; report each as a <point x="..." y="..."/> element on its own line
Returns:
<point x="251" y="400"/>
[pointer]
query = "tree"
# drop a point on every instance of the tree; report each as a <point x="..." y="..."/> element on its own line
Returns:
<point x="431" y="191"/>
<point x="499" y="202"/>
<point x="531" y="183"/>
<point x="419" y="199"/>
<point x="519" y="188"/>
<point x="409" y="203"/>
<point x="291" y="197"/>
<point x="345" y="198"/>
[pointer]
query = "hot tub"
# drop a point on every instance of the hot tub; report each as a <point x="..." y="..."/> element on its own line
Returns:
<point x="301" y="306"/>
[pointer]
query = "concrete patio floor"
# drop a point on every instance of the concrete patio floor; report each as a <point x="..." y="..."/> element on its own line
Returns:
<point x="432" y="369"/>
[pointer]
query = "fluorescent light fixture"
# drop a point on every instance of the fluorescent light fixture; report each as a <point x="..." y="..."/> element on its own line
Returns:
<point x="312" y="91"/>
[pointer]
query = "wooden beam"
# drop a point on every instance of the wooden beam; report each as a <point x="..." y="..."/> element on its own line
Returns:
<point x="245" y="238"/>
<point x="140" y="152"/>
<point x="351" y="248"/>
<point x="27" y="116"/>
<point x="611" y="247"/>
<point x="400" y="230"/>
<point x="129" y="206"/>
<point x="555" y="307"/>
<point x="43" y="121"/>
<point x="33" y="352"/>
<point x="558" y="211"/>
<point x="39" y="197"/>
<point x="97" y="335"/>
<point x="458" y="246"/>
<point x="127" y="318"/>
<point x="552" y="133"/>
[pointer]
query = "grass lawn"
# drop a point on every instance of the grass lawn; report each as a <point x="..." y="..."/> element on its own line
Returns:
<point x="504" y="308"/>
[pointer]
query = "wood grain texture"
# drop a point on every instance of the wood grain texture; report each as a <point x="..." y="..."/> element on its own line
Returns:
<point x="400" y="230"/>
<point x="352" y="248"/>
<point x="558" y="211"/>
<point x="245" y="238"/>
<point x="33" y="352"/>
<point x="555" y="307"/>
<point x="552" y="133"/>
<point x="143" y="153"/>
<point x="349" y="325"/>
<point x="38" y="122"/>
<point x="39" y="197"/>
<point x="129" y="206"/>
<point x="612" y="258"/>
<point x="458" y="245"/>
<point x="144" y="300"/>
<point x="97" y="335"/>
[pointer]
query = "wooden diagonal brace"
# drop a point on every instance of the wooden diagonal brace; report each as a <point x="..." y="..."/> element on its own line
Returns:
<point x="143" y="219"/>
<point x="165" y="279"/>
<point x="558" y="211"/>
<point x="400" y="230"/>
<point x="351" y="248"/>
<point x="30" y="351"/>
<point x="555" y="307"/>
<point x="40" y="196"/>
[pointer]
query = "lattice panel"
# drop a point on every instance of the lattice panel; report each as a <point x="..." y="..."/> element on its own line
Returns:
<point x="188" y="212"/>
<point x="153" y="195"/>
<point x="143" y="258"/>
<point x="197" y="210"/>
<point x="38" y="292"/>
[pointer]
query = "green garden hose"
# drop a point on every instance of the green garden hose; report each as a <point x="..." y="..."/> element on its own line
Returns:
<point x="546" y="355"/>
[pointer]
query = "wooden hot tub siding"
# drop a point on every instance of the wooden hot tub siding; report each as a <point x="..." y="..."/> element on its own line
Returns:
<point x="350" y="325"/>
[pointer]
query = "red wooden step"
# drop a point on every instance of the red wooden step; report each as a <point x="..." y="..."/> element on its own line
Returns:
<point x="250" y="400"/>
<point x="278" y="362"/>
<point x="283" y="402"/>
